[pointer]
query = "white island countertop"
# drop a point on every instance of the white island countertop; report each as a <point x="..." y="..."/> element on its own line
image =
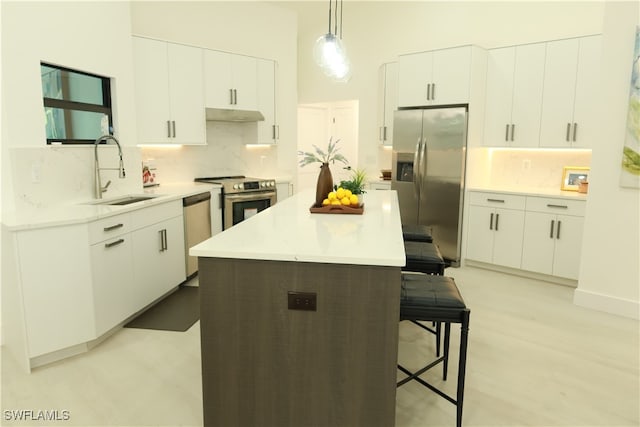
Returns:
<point x="287" y="231"/>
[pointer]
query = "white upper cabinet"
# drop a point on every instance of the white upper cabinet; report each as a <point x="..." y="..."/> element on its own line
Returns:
<point x="515" y="77"/>
<point x="268" y="130"/>
<point x="571" y="81"/>
<point x="169" y="87"/>
<point x="231" y="81"/>
<point x="388" y="101"/>
<point x="439" y="77"/>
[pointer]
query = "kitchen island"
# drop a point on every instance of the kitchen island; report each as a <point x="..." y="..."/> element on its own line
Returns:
<point x="299" y="316"/>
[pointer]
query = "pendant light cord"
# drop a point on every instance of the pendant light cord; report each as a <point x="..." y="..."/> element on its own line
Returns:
<point x="341" y="7"/>
<point x="330" y="1"/>
<point x="335" y="24"/>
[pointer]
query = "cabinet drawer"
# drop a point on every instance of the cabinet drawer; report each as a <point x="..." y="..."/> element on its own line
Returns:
<point x="154" y="214"/>
<point x="556" y="206"/>
<point x="497" y="200"/>
<point x="107" y="228"/>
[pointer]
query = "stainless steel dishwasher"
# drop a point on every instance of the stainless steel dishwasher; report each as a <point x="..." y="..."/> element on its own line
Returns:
<point x="197" y="226"/>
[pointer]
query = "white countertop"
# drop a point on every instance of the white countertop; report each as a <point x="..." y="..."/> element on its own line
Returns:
<point x="287" y="231"/>
<point x="82" y="212"/>
<point x="538" y="192"/>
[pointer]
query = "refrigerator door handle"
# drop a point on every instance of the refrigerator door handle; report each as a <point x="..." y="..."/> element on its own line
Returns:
<point x="416" y="167"/>
<point x="423" y="157"/>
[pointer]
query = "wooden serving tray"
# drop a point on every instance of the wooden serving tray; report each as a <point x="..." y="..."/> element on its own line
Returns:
<point x="337" y="209"/>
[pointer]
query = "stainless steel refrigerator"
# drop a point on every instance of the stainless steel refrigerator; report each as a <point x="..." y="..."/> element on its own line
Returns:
<point x="428" y="170"/>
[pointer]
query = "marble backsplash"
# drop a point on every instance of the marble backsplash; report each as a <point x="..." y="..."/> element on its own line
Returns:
<point x="58" y="175"/>
<point x="225" y="154"/>
<point x="526" y="169"/>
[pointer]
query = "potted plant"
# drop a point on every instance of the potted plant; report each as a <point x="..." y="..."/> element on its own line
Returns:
<point x="357" y="182"/>
<point x="325" y="180"/>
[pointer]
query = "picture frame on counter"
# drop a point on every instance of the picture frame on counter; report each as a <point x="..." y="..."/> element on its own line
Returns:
<point x="573" y="176"/>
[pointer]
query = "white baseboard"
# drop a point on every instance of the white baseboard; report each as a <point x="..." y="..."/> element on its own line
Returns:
<point x="607" y="303"/>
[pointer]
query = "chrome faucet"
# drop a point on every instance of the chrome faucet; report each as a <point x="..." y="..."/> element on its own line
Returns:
<point x="99" y="189"/>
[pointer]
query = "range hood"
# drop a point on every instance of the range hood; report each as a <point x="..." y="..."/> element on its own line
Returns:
<point x="225" y="115"/>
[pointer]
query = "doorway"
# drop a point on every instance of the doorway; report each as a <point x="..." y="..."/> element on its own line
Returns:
<point x="317" y="123"/>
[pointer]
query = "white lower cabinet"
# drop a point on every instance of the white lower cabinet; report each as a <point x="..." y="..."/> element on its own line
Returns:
<point x="71" y="284"/>
<point x="380" y="185"/>
<point x="495" y="233"/>
<point x="158" y="260"/>
<point x="552" y="241"/>
<point x="52" y="289"/>
<point x="111" y="274"/>
<point x="216" y="211"/>
<point x="284" y="189"/>
<point x="536" y="234"/>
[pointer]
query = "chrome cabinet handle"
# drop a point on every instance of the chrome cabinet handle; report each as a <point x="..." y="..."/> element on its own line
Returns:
<point x="566" y="138"/>
<point x="497" y="219"/>
<point x="491" y="222"/>
<point x="235" y="97"/>
<point x="231" y="96"/>
<point x="433" y="91"/>
<point x="163" y="240"/>
<point x="173" y="123"/>
<point x="557" y="206"/>
<point x="384" y="133"/>
<point x="428" y="91"/>
<point x="551" y="231"/>
<point x="113" y="227"/>
<point x="273" y="131"/>
<point x="112" y="244"/>
<point x="495" y="200"/>
<point x="506" y="132"/>
<point x="168" y="129"/>
<point x="513" y="131"/>
<point x="558" y="231"/>
<point x="575" y="131"/>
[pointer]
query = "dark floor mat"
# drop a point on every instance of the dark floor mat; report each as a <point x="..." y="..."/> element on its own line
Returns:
<point x="177" y="312"/>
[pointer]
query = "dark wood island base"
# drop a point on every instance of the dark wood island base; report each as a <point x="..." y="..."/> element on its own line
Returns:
<point x="264" y="364"/>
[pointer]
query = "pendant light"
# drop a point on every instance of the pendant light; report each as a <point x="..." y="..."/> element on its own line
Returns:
<point x="329" y="51"/>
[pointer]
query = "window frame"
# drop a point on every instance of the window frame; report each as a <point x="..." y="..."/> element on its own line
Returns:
<point x="104" y="108"/>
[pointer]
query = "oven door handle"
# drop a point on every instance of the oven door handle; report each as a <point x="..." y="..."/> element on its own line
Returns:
<point x="257" y="195"/>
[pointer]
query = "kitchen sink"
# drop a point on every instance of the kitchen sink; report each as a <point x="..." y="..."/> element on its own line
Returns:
<point x="126" y="200"/>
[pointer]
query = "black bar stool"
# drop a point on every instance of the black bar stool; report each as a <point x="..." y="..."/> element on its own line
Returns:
<point x="417" y="233"/>
<point x="436" y="298"/>
<point x="423" y="257"/>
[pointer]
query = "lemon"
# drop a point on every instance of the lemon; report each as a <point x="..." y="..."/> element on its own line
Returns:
<point x="347" y="193"/>
<point x="326" y="202"/>
<point x="345" y="201"/>
<point x="335" y="202"/>
<point x="332" y="195"/>
<point x="340" y="193"/>
<point x="353" y="199"/>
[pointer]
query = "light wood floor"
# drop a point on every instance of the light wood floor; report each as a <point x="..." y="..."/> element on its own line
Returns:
<point x="535" y="359"/>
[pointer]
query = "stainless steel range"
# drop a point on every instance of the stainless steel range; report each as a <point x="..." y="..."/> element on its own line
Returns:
<point x="243" y="197"/>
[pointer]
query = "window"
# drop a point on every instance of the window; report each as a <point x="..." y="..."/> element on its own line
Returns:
<point x="77" y="105"/>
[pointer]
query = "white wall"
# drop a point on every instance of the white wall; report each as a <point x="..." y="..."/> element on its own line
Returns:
<point x="610" y="268"/>
<point x="251" y="28"/>
<point x="375" y="32"/>
<point x="88" y="36"/>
